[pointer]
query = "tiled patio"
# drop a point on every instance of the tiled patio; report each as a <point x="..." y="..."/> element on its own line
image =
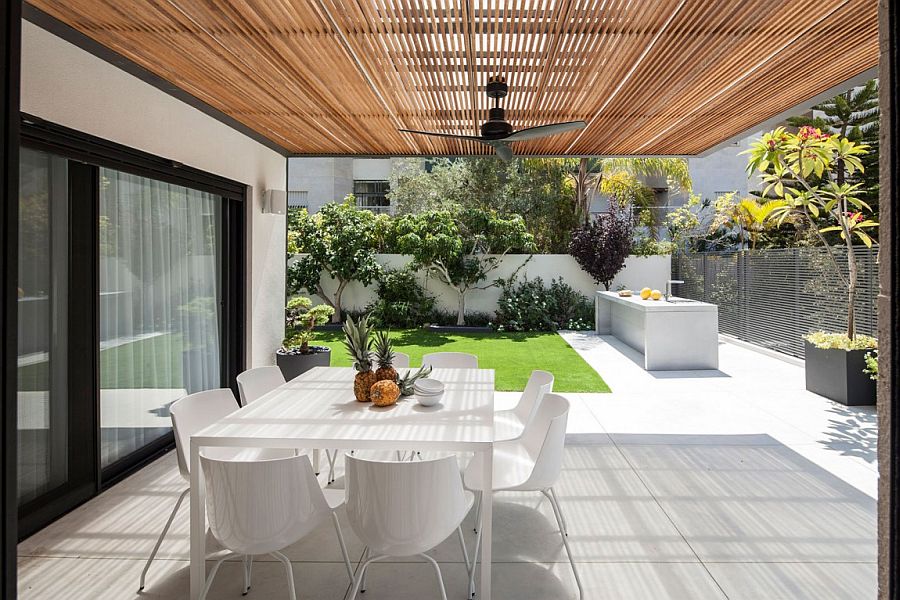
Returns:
<point x="731" y="484"/>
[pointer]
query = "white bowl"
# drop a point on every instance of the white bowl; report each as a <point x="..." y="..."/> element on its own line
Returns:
<point x="429" y="386"/>
<point x="428" y="399"/>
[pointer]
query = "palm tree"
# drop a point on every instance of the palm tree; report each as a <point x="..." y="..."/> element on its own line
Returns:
<point x="588" y="174"/>
<point x="757" y="217"/>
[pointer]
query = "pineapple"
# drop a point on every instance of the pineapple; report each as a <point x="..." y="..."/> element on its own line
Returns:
<point x="384" y="393"/>
<point x="359" y="346"/>
<point x="407" y="382"/>
<point x="384" y="356"/>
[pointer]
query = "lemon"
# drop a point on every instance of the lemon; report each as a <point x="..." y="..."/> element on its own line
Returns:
<point x="656" y="294"/>
<point x="645" y="293"/>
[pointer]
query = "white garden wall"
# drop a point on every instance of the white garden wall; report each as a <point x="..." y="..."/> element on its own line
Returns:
<point x="639" y="271"/>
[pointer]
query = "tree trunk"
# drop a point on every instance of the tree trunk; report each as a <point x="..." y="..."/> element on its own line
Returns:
<point x="336" y="317"/>
<point x="461" y="311"/>
<point x="851" y="292"/>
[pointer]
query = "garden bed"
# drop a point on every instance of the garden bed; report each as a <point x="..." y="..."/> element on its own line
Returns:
<point x="512" y="355"/>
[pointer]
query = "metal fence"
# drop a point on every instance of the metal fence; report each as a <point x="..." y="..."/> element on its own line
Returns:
<point x="772" y="298"/>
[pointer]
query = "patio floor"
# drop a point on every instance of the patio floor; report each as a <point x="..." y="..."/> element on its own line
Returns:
<point x="721" y="484"/>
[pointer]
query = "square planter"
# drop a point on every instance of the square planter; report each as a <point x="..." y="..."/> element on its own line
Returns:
<point x="292" y="365"/>
<point x="838" y="375"/>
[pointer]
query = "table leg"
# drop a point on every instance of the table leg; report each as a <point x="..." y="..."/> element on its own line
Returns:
<point x="316" y="452"/>
<point x="198" y="525"/>
<point x="487" y="510"/>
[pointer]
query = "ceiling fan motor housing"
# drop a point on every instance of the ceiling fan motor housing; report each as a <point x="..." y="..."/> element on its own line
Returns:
<point x="496" y="125"/>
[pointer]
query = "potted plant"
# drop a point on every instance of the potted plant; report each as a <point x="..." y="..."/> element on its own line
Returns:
<point x="296" y="356"/>
<point x="814" y="173"/>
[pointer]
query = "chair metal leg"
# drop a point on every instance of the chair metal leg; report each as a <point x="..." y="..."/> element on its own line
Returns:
<point x="331" y="455"/>
<point x="462" y="545"/>
<point x="562" y="517"/>
<point x="212" y="574"/>
<point x="162" y="536"/>
<point x="248" y="567"/>
<point x="565" y="540"/>
<point x="290" y="573"/>
<point x="478" y="511"/>
<point x="361" y="574"/>
<point x="475" y="559"/>
<point x="340" y="537"/>
<point x="365" y="557"/>
<point x="437" y="569"/>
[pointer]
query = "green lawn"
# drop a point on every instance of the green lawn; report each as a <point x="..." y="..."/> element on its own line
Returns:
<point x="512" y="355"/>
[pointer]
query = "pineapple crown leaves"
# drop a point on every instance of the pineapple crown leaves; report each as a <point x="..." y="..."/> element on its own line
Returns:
<point x="407" y="382"/>
<point x="384" y="349"/>
<point x="358" y="342"/>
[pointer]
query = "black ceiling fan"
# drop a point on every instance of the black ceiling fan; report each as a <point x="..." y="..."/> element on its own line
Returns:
<point x="497" y="132"/>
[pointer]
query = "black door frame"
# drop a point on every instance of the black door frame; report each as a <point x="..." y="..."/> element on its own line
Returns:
<point x="10" y="61"/>
<point x="86" y="154"/>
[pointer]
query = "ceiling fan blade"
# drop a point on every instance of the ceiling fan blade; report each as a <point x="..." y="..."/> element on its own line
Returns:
<point x="544" y="130"/>
<point x="443" y="135"/>
<point x="502" y="149"/>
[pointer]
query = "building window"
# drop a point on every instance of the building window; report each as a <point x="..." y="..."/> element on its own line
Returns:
<point x="372" y="195"/>
<point x="298" y="199"/>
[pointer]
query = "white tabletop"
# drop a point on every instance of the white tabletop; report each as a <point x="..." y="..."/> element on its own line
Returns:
<point x="318" y="409"/>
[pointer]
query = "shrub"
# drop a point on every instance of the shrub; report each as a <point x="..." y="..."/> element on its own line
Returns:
<point x="871" y="364"/>
<point x="402" y="301"/>
<point x="530" y="306"/>
<point x="439" y="316"/>
<point x="841" y="341"/>
<point x="647" y="246"/>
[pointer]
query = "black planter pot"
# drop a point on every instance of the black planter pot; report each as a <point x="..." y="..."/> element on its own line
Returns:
<point x="292" y="365"/>
<point x="838" y="375"/>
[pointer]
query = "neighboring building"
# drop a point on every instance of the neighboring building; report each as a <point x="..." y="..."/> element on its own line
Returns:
<point x="313" y="182"/>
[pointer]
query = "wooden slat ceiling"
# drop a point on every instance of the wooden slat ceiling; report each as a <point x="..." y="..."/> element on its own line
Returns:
<point x="341" y="76"/>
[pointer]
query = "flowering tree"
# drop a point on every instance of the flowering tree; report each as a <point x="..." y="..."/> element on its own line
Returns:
<point x="804" y="170"/>
<point x="602" y="245"/>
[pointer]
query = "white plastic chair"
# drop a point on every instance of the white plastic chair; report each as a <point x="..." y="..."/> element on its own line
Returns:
<point x="531" y="463"/>
<point x="254" y="383"/>
<point x="189" y="415"/>
<point x="401" y="360"/>
<point x="262" y="507"/>
<point x="450" y="360"/>
<point x="510" y="424"/>
<point x="404" y="509"/>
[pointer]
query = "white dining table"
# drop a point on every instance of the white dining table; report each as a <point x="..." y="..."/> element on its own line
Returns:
<point x="317" y="411"/>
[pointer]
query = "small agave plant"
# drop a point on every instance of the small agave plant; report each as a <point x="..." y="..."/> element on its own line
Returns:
<point x="407" y="383"/>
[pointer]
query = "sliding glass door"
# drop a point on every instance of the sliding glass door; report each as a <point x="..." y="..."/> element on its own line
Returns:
<point x="43" y="452"/>
<point x="160" y="300"/>
<point x="130" y="287"/>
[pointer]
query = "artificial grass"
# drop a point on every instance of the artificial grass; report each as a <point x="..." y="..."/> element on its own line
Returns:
<point x="512" y="356"/>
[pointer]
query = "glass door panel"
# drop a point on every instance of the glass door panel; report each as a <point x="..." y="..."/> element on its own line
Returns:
<point x="43" y="432"/>
<point x="159" y="305"/>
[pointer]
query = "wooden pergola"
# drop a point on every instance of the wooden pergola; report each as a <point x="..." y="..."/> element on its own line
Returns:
<point x="663" y="77"/>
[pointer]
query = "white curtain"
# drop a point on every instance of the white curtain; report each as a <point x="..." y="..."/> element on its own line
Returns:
<point x="160" y="293"/>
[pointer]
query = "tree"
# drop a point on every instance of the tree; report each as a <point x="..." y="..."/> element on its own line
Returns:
<point x="589" y="173"/>
<point x="602" y="245"/>
<point x="339" y="241"/>
<point x="461" y="247"/>
<point x="853" y="115"/>
<point x="802" y="169"/>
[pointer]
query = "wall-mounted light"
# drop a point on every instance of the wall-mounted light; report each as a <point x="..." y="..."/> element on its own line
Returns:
<point x="274" y="202"/>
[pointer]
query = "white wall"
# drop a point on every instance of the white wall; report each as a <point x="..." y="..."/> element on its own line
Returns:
<point x="325" y="179"/>
<point x="68" y="86"/>
<point x="639" y="271"/>
<point x="373" y="169"/>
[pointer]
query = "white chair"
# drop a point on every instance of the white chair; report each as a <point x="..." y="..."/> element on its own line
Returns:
<point x="401" y="360"/>
<point x="509" y="424"/>
<point x="254" y="383"/>
<point x="531" y="463"/>
<point x="404" y="509"/>
<point x="262" y="507"/>
<point x="189" y="415"/>
<point x="450" y="360"/>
